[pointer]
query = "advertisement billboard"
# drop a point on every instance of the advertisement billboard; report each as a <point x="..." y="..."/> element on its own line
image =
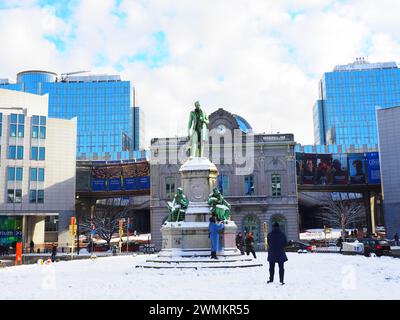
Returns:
<point x="357" y="168"/>
<point x="99" y="179"/>
<point x="339" y="169"/>
<point x="307" y="168"/>
<point x="323" y="169"/>
<point x="373" y="167"/>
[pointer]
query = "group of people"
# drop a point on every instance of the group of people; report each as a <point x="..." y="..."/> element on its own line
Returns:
<point x="276" y="246"/>
<point x="246" y="243"/>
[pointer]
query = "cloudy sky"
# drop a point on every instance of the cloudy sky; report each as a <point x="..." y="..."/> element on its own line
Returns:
<point x="261" y="59"/>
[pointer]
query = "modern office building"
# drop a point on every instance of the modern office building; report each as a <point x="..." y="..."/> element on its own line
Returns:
<point x="108" y="118"/>
<point x="264" y="191"/>
<point x="389" y="150"/>
<point x="37" y="171"/>
<point x="344" y="113"/>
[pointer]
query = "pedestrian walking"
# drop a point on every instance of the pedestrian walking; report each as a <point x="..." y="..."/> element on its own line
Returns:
<point x="240" y="242"/>
<point x="396" y="239"/>
<point x="214" y="229"/>
<point x="31" y="247"/>
<point x="339" y="243"/>
<point x="277" y="243"/>
<point x="250" y="244"/>
<point x="53" y="252"/>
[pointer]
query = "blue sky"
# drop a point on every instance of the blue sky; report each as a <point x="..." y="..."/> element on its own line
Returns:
<point x="261" y="59"/>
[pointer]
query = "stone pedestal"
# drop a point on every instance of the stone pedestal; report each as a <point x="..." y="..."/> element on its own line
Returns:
<point x="189" y="240"/>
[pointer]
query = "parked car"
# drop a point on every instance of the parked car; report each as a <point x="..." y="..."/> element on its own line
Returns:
<point x="375" y="246"/>
<point x="295" y="246"/>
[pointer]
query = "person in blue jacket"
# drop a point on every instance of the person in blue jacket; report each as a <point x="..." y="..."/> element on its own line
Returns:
<point x="276" y="252"/>
<point x="214" y="229"/>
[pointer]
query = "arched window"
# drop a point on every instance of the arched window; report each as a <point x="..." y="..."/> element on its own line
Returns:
<point x="251" y="224"/>
<point x="281" y="221"/>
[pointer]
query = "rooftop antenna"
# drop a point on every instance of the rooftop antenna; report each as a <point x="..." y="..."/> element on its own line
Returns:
<point x="65" y="75"/>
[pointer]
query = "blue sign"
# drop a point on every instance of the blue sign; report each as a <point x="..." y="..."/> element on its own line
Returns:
<point x="130" y="183"/>
<point x="99" y="185"/>
<point x="114" y="184"/>
<point x="144" y="183"/>
<point x="373" y="167"/>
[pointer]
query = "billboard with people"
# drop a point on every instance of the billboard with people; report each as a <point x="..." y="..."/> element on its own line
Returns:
<point x="338" y="168"/>
<point x="357" y="168"/>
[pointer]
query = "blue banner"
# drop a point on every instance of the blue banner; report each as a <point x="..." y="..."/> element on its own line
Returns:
<point x="130" y="183"/>
<point x="114" y="184"/>
<point x="373" y="167"/>
<point x="144" y="183"/>
<point x="99" y="185"/>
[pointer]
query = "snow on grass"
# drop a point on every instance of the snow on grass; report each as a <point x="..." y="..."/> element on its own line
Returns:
<point x="308" y="276"/>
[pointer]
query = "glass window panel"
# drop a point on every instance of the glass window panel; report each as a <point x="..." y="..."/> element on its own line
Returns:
<point x="33" y="174"/>
<point x="12" y="152"/>
<point x="13" y="118"/>
<point x="10" y="173"/>
<point x="32" y="196"/>
<point x="35" y="119"/>
<point x="34" y="154"/>
<point x="19" y="174"/>
<point x="42" y="133"/>
<point x="40" y="196"/>
<point x="10" y="195"/>
<point x="35" y="131"/>
<point x="41" y="174"/>
<point x="21" y="130"/>
<point x="42" y="153"/>
<point x="43" y="120"/>
<point x="18" y="195"/>
<point x="13" y="130"/>
<point x="21" y="118"/>
<point x="20" y="152"/>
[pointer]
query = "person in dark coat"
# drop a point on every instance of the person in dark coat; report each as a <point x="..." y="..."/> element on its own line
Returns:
<point x="31" y="246"/>
<point x="214" y="229"/>
<point x="53" y="252"/>
<point x="339" y="243"/>
<point x="396" y="238"/>
<point x="250" y="244"/>
<point x="240" y="242"/>
<point x="277" y="243"/>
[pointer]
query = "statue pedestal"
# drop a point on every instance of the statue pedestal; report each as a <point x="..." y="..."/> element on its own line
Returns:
<point x="189" y="239"/>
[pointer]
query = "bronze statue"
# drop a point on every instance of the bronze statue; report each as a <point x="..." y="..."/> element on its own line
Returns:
<point x="177" y="208"/>
<point x="219" y="206"/>
<point x="197" y="130"/>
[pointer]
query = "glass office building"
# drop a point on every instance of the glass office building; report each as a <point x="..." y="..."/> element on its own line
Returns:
<point x="344" y="114"/>
<point x="108" y="120"/>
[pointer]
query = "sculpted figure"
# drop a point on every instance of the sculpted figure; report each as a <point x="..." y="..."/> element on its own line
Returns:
<point x="177" y="207"/>
<point x="219" y="206"/>
<point x="197" y="130"/>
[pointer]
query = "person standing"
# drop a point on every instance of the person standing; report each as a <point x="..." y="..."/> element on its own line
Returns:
<point x="214" y="229"/>
<point x="250" y="244"/>
<point x="240" y="242"/>
<point x="339" y="243"/>
<point x="31" y="246"/>
<point x="396" y="239"/>
<point x="53" y="252"/>
<point x="277" y="243"/>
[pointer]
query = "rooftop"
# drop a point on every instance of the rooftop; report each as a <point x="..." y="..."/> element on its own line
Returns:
<point x="362" y="64"/>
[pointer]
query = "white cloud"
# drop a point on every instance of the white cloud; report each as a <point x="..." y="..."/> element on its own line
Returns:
<point x="260" y="59"/>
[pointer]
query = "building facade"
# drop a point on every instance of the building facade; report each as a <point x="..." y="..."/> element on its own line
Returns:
<point x="256" y="175"/>
<point x="389" y="151"/>
<point x="37" y="171"/>
<point x="108" y="119"/>
<point x="344" y="113"/>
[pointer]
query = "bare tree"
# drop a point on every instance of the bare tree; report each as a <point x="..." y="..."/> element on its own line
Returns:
<point x="340" y="212"/>
<point x="106" y="217"/>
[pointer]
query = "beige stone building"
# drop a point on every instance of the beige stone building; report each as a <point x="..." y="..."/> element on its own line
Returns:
<point x="37" y="171"/>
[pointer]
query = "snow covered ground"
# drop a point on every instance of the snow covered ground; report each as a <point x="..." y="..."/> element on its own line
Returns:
<point x="308" y="276"/>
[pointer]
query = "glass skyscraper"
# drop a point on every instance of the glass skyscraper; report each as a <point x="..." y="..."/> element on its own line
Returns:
<point x="345" y="114"/>
<point x="108" y="120"/>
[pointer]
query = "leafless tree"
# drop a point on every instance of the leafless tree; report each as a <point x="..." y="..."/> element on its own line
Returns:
<point x="342" y="213"/>
<point x="106" y="217"/>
